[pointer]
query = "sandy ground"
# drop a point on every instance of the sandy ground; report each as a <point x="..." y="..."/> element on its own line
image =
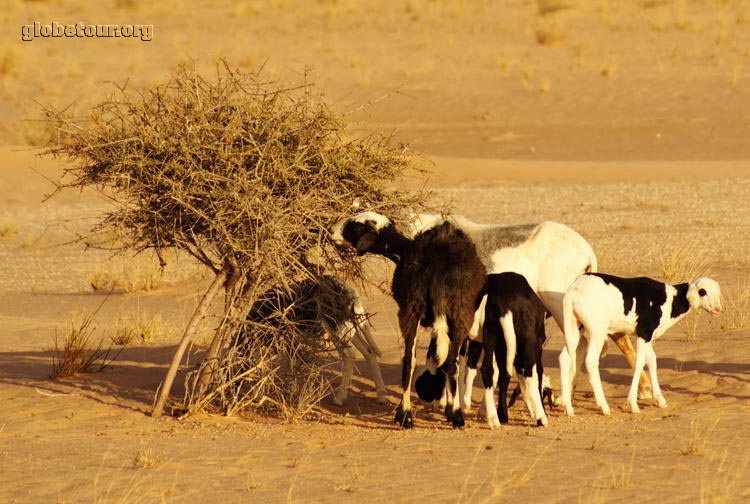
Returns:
<point x="627" y="122"/>
<point x="77" y="439"/>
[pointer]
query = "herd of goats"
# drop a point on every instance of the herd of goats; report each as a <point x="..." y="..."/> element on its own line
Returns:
<point x="482" y="289"/>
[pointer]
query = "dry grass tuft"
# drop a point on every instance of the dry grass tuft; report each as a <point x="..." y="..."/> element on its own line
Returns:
<point x="684" y="263"/>
<point x="128" y="327"/>
<point x="127" y="276"/>
<point x="621" y="478"/>
<point x="722" y="480"/>
<point x="8" y="226"/>
<point x="549" y="36"/>
<point x="690" y="323"/>
<point x="699" y="437"/>
<point x="736" y="305"/>
<point x="547" y="7"/>
<point x="609" y="69"/>
<point x="75" y="351"/>
<point x="499" y="479"/>
<point x="145" y="457"/>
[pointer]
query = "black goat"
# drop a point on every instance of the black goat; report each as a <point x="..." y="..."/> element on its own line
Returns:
<point x="513" y="338"/>
<point x="438" y="282"/>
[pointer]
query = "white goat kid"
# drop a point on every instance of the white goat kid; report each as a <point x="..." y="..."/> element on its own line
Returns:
<point x="603" y="305"/>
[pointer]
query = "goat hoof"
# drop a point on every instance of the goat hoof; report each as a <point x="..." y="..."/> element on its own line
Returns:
<point x="542" y="422"/>
<point x="404" y="418"/>
<point x="660" y="402"/>
<point x="569" y="410"/>
<point x="458" y="420"/>
<point x="448" y="412"/>
<point x="382" y="399"/>
<point x="605" y="410"/>
<point x="493" y="422"/>
<point x="634" y="408"/>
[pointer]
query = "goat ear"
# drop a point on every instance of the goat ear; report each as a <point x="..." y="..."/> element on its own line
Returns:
<point x="366" y="241"/>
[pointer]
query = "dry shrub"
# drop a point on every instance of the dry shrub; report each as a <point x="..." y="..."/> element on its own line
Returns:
<point x="684" y="263"/>
<point x="736" y="304"/>
<point x="246" y="176"/>
<point x="75" y="351"/>
<point x="279" y="371"/>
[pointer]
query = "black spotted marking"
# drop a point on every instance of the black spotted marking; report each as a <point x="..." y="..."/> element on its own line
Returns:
<point x="430" y="386"/>
<point x="473" y="354"/>
<point x="649" y="297"/>
<point x="680" y="303"/>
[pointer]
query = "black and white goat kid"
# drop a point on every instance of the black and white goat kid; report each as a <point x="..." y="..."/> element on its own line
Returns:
<point x="319" y="308"/>
<point x="602" y="305"/>
<point x="513" y="337"/>
<point x="438" y="282"/>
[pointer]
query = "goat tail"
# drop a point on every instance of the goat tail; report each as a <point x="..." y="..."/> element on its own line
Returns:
<point x="570" y="323"/>
<point x="509" y="334"/>
<point x="593" y="265"/>
<point x="443" y="341"/>
<point x="362" y="323"/>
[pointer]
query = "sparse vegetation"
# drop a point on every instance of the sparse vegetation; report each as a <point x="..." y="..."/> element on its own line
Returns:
<point x="549" y="36"/>
<point x="127" y="327"/>
<point x="145" y="457"/>
<point x="8" y="226"/>
<point x="684" y="262"/>
<point x="75" y="351"/>
<point x="547" y="7"/>
<point x="722" y="478"/>
<point x="621" y="477"/>
<point x="690" y="323"/>
<point x="736" y="306"/>
<point x="699" y="437"/>
<point x="127" y="276"/>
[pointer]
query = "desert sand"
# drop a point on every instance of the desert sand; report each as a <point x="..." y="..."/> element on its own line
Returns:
<point x="627" y="122"/>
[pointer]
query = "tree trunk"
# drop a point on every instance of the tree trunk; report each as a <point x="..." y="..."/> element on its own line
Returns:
<point x="233" y="296"/>
<point x="187" y="337"/>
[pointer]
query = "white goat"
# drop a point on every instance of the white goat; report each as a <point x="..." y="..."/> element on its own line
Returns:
<point x="605" y="305"/>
